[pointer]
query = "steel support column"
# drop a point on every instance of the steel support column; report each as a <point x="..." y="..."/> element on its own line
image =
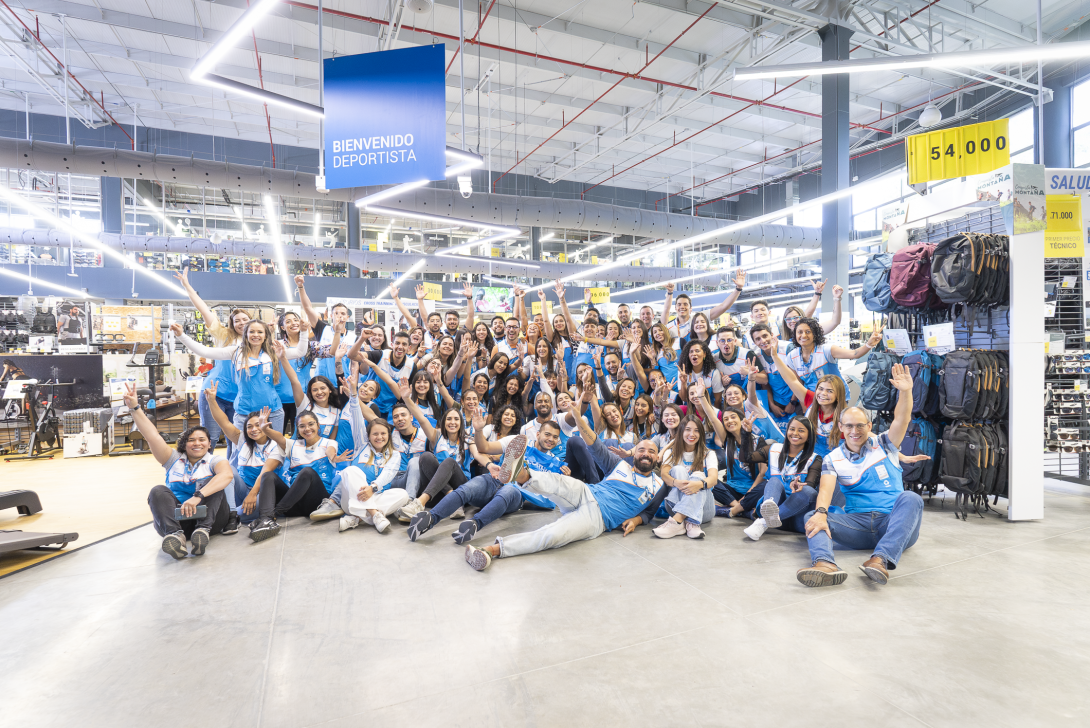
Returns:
<point x="836" y="215"/>
<point x="535" y="249"/>
<point x="1057" y="118"/>
<point x="113" y="211"/>
<point x="353" y="230"/>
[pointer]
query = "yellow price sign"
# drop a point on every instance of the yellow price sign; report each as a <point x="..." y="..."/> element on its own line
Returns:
<point x="932" y="341"/>
<point x="562" y="257"/>
<point x="432" y="291"/>
<point x="535" y="308"/>
<point x="599" y="295"/>
<point x="1064" y="236"/>
<point x="957" y="152"/>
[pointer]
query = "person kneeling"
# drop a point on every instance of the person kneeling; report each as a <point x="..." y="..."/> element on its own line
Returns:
<point x="880" y="515"/>
<point x="195" y="479"/>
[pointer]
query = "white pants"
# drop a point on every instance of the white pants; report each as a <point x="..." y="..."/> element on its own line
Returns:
<point x="581" y="518"/>
<point x="352" y="479"/>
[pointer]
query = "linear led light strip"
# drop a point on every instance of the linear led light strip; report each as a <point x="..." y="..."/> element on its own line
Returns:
<point x="760" y="220"/>
<point x="40" y="282"/>
<point x="1052" y="52"/>
<point x="273" y="213"/>
<point x="412" y="269"/>
<point x="42" y="214"/>
<point x="201" y="71"/>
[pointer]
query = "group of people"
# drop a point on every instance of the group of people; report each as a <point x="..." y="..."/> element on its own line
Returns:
<point x="614" y="423"/>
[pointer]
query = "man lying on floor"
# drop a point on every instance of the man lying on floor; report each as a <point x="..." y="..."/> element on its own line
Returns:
<point x="621" y="499"/>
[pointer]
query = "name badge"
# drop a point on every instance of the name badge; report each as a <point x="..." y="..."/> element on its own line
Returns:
<point x="266" y="369"/>
<point x="882" y="472"/>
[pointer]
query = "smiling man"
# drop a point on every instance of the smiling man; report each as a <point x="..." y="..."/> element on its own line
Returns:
<point x="879" y="514"/>
<point x="588" y="511"/>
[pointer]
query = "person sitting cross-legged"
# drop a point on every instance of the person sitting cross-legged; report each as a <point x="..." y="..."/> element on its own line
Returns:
<point x="880" y="515"/>
<point x="618" y="501"/>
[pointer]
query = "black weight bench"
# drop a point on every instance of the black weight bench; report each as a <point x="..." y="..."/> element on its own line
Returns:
<point x="27" y="502"/>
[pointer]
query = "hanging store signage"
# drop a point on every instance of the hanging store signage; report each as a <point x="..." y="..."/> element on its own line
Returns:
<point x="958" y="152"/>
<point x="1064" y="236"/>
<point x="599" y="295"/>
<point x="385" y="117"/>
<point x="432" y="291"/>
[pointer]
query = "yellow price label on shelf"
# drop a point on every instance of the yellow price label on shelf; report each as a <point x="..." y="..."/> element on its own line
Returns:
<point x="1064" y="236"/>
<point x="432" y="291"/>
<point x="957" y="152"/>
<point x="599" y="295"/>
<point x="891" y="344"/>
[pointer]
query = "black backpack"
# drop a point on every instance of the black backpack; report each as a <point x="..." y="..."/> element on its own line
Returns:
<point x="876" y="393"/>
<point x="955" y="267"/>
<point x="960" y="392"/>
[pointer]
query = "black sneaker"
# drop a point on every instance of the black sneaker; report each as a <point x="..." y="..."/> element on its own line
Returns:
<point x="199" y="539"/>
<point x="232" y="525"/>
<point x="263" y="528"/>
<point x="420" y="524"/>
<point x="174" y="544"/>
<point x="465" y="532"/>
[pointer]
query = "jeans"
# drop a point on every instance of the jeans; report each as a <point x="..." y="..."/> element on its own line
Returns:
<point x="698" y="507"/>
<point x="581" y="518"/>
<point x="495" y="499"/>
<point x="885" y="534"/>
<point x="162" y="502"/>
<point x="301" y="498"/>
<point x="793" y="506"/>
<point x="580" y="460"/>
<point x="209" y="422"/>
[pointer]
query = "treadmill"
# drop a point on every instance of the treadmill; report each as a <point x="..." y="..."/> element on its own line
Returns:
<point x="27" y="503"/>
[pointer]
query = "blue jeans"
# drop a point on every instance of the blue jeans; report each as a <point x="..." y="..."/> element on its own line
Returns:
<point x="793" y="506"/>
<point x="581" y="461"/>
<point x="209" y="422"/>
<point x="884" y="534"/>
<point x="494" y="498"/>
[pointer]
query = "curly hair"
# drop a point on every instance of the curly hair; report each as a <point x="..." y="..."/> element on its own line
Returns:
<point x="815" y="329"/>
<point x="183" y="439"/>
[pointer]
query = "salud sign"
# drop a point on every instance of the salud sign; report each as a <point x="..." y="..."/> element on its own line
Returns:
<point x="385" y="117"/>
<point x="960" y="151"/>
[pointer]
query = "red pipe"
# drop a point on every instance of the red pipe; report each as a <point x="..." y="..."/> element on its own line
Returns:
<point x="474" y="38"/>
<point x="69" y="73"/>
<point x="618" y="83"/>
<point x="261" y="80"/>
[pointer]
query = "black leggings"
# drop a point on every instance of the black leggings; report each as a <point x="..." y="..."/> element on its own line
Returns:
<point x="441" y="477"/>
<point x="289" y="418"/>
<point x="301" y="498"/>
<point x="162" y="502"/>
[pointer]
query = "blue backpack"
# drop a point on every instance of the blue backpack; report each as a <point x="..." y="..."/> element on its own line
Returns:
<point x="920" y="439"/>
<point x="877" y="295"/>
<point x="919" y="366"/>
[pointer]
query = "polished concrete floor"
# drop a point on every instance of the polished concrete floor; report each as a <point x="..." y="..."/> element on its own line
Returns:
<point x="987" y="623"/>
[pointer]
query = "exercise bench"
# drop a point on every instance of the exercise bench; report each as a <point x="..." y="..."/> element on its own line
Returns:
<point x="28" y="503"/>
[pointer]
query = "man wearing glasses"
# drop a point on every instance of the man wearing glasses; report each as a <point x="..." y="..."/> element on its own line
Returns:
<point x="879" y="514"/>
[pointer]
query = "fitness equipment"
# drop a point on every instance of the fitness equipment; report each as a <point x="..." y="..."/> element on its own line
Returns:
<point x="27" y="502"/>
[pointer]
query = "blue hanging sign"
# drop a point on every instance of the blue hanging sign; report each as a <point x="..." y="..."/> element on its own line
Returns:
<point x="385" y="117"/>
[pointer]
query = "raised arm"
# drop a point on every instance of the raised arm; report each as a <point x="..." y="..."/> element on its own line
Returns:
<point x="830" y="322"/>
<point x="712" y="416"/>
<point x="584" y="427"/>
<point x="841" y="352"/>
<point x="304" y="300"/>
<point x="401" y="304"/>
<point x="902" y="414"/>
<point x="198" y="302"/>
<point x="467" y="291"/>
<point x="790" y="378"/>
<point x="564" y="310"/>
<point x="218" y="414"/>
<point x="208" y="352"/>
<point x="664" y="318"/>
<point x="277" y="437"/>
<point x="819" y="286"/>
<point x="159" y="447"/>
<point x="520" y="310"/>
<point x="422" y="312"/>
<point x="721" y="308"/>
<point x="546" y="314"/>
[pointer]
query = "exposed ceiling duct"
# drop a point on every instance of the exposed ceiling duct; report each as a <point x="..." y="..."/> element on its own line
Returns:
<point x="481" y="207"/>
<point x="363" y="259"/>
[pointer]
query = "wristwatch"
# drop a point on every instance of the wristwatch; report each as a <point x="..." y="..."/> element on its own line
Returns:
<point x="822" y="510"/>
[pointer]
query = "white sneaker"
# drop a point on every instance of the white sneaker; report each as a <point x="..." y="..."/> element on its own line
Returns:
<point x="757" y="529"/>
<point x="770" y="512"/>
<point x="669" y="529"/>
<point x="380" y="522"/>
<point x="406" y="512"/>
<point x="693" y="530"/>
<point x="348" y="522"/>
<point x="458" y="514"/>
<point x="326" y="510"/>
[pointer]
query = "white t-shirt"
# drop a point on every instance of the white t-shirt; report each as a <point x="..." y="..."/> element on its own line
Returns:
<point x="685" y="469"/>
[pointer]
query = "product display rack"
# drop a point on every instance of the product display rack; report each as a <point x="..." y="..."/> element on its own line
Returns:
<point x="1071" y="414"/>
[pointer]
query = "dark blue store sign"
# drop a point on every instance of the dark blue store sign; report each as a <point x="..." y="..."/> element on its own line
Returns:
<point x="385" y="117"/>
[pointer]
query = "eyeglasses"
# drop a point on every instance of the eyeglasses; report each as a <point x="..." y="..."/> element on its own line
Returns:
<point x="1068" y="434"/>
<point x="1068" y="410"/>
<point x="791" y="319"/>
<point x="1068" y="447"/>
<point x="857" y="427"/>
